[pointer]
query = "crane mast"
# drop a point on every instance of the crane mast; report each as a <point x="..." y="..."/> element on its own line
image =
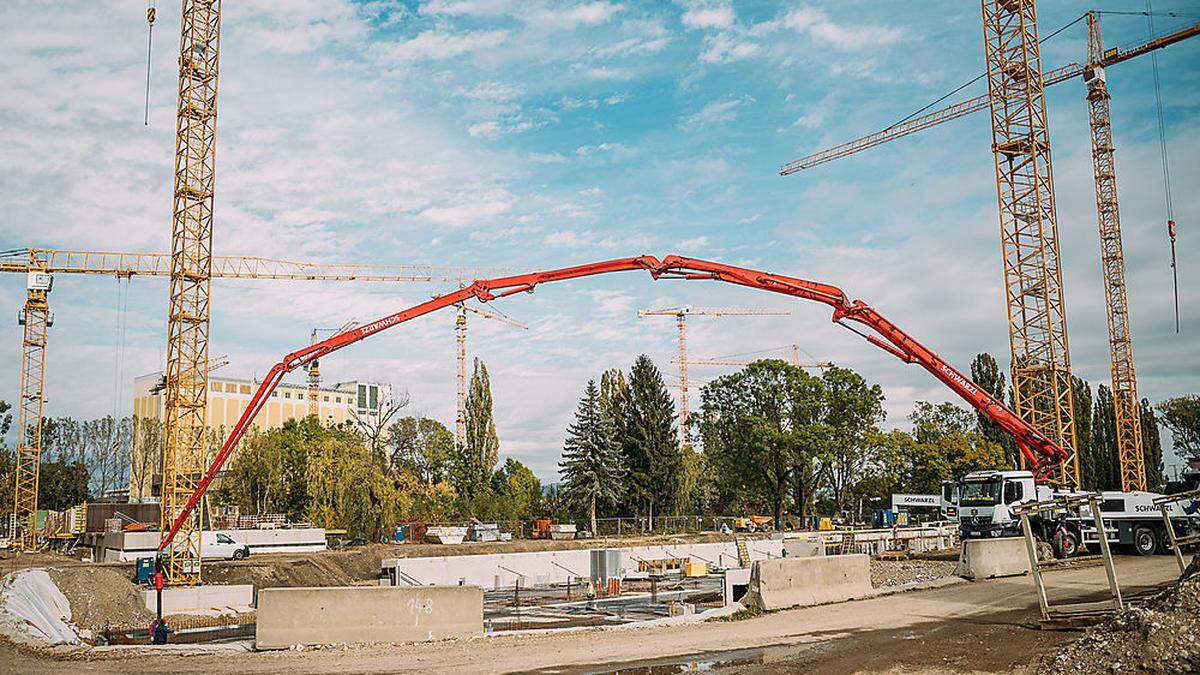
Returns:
<point x="1041" y="366"/>
<point x="184" y="451"/>
<point x="460" y="373"/>
<point x="1126" y="408"/>
<point x="35" y="318"/>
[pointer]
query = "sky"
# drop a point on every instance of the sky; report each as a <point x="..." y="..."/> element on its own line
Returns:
<point x="531" y="135"/>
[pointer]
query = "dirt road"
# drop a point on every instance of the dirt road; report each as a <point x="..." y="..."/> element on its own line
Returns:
<point x="981" y="627"/>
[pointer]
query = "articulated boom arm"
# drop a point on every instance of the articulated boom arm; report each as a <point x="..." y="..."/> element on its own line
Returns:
<point x="1040" y="451"/>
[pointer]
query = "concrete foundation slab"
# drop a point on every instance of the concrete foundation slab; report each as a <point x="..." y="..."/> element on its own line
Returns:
<point x="365" y="614"/>
<point x="791" y="582"/>
<point x="181" y="600"/>
<point x="988" y="558"/>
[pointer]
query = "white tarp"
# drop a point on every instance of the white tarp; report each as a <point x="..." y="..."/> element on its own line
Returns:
<point x="33" y="610"/>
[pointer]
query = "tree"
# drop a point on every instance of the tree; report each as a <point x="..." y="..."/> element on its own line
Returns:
<point x="987" y="374"/>
<point x="1088" y="453"/>
<point x="374" y="426"/>
<point x="946" y="445"/>
<point x="651" y="449"/>
<point x="62" y="484"/>
<point x="591" y="462"/>
<point x="473" y="464"/>
<point x="1106" y="472"/>
<point x="758" y="428"/>
<point x="1151" y="447"/>
<point x="1181" y="415"/>
<point x="853" y="409"/>
<point x="422" y="445"/>
<point x="144" y="457"/>
<point x="519" y="490"/>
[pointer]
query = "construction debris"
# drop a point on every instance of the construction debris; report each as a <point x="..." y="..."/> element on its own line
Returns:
<point x="893" y="573"/>
<point x="1161" y="635"/>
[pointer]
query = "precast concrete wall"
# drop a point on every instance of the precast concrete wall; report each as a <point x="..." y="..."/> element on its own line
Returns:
<point x="191" y="599"/>
<point x="129" y="546"/>
<point x="500" y="570"/>
<point x="791" y="582"/>
<point x="987" y="558"/>
<point x="364" y="614"/>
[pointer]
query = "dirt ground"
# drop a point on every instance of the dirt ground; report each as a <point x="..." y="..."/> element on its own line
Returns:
<point x="966" y="627"/>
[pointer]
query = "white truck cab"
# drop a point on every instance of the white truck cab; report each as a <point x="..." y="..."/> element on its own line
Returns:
<point x="1130" y="519"/>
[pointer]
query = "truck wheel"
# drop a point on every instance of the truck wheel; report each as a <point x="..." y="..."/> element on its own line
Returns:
<point x="239" y="554"/>
<point x="1065" y="543"/>
<point x="1145" y="540"/>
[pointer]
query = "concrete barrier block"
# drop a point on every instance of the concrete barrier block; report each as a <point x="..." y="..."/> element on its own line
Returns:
<point x="791" y="582"/>
<point x="364" y="614"/>
<point x="988" y="558"/>
<point x="189" y="599"/>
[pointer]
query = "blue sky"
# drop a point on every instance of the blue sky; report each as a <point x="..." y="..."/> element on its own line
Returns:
<point x="534" y="135"/>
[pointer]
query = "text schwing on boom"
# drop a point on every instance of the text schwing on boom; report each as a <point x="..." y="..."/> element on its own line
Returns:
<point x="1039" y="451"/>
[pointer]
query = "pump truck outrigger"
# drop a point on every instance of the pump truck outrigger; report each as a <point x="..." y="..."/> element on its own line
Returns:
<point x="1039" y="451"/>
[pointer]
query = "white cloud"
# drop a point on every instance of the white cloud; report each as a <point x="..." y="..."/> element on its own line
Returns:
<point x="546" y="158"/>
<point x="465" y="214"/>
<point x="586" y="14"/>
<point x="727" y="48"/>
<point x="491" y="91"/>
<point x="839" y="36"/>
<point x="467" y="7"/>
<point x="434" y="45"/>
<point x="701" y="242"/>
<point x="703" y="16"/>
<point x="717" y="112"/>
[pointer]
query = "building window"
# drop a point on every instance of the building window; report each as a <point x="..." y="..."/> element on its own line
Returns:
<point x="327" y="398"/>
<point x="362" y="396"/>
<point x="338" y="399"/>
<point x="374" y="397"/>
<point x="274" y="394"/>
<point x="245" y="389"/>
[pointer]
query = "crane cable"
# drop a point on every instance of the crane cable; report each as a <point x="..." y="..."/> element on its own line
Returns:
<point x="1166" y="165"/>
<point x="151" y="13"/>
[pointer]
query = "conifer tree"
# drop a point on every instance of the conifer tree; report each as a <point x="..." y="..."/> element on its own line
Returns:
<point x="591" y="463"/>
<point x="651" y="449"/>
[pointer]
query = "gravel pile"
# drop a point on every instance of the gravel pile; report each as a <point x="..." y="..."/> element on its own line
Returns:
<point x="1160" y="636"/>
<point x="891" y="573"/>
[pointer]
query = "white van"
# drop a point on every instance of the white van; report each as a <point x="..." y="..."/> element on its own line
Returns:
<point x="221" y="546"/>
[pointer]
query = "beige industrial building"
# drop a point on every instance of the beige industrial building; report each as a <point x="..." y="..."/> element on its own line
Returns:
<point x="228" y="398"/>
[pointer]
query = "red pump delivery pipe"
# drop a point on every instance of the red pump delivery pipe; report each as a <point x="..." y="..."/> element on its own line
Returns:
<point x="1039" y="451"/>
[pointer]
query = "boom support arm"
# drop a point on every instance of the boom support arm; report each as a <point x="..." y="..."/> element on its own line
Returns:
<point x="1040" y="451"/>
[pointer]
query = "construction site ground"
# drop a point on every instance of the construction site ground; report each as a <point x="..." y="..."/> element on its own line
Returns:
<point x="988" y="626"/>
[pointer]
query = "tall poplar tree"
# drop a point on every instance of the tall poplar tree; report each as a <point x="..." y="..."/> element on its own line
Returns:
<point x="1103" y="450"/>
<point x="477" y="460"/>
<point x="591" y="463"/>
<point x="987" y="374"/>
<point x="1152" y="447"/>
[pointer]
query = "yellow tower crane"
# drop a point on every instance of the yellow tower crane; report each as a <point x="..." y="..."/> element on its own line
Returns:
<point x="1037" y="315"/>
<point x="190" y="280"/>
<point x="681" y="314"/>
<point x="1005" y="24"/>
<point x="1126" y="407"/>
<point x="793" y="359"/>
<point x="460" y="342"/>
<point x="40" y="265"/>
<point x="314" y="370"/>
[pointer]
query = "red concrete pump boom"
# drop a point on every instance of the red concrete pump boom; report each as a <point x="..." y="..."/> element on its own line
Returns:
<point x="1039" y="451"/>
